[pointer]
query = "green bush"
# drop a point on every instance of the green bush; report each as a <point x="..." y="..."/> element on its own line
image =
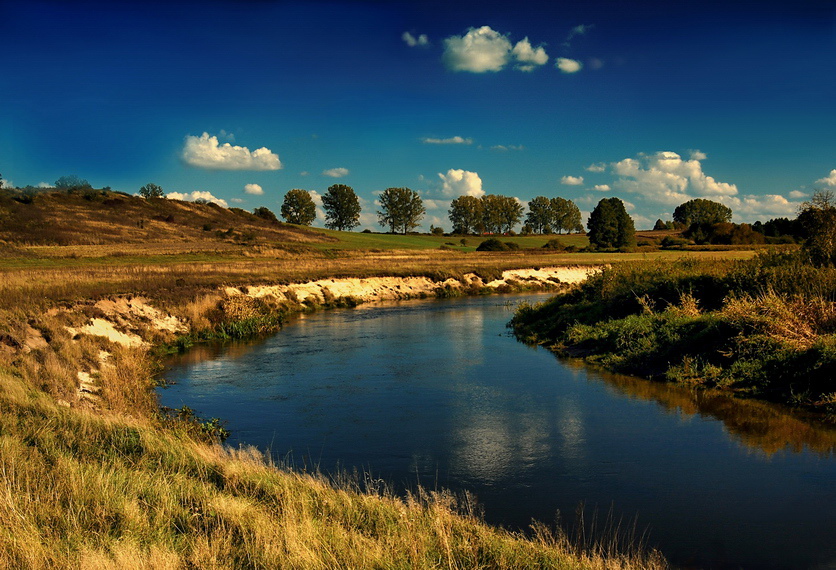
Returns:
<point x="492" y="244"/>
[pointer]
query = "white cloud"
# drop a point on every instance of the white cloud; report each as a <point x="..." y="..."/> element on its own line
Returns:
<point x="304" y="173"/>
<point x="798" y="194"/>
<point x="44" y="185"/>
<point x="665" y="178"/>
<point x="503" y="147"/>
<point x="602" y="188"/>
<point x="529" y="58"/>
<point x="6" y="183"/>
<point x="572" y="180"/>
<point x="829" y="180"/>
<point x="479" y="50"/>
<point x="227" y="136"/>
<point x="205" y="152"/>
<point x="316" y="197"/>
<point x="336" y="172"/>
<point x="237" y="201"/>
<point x="567" y="65"/>
<point x="698" y="155"/>
<point x="461" y="183"/>
<point x="412" y="41"/>
<point x="430" y="204"/>
<point x="451" y="140"/>
<point x="598" y="167"/>
<point x="750" y="207"/>
<point x="253" y="189"/>
<point x="578" y="30"/>
<point x="197" y="195"/>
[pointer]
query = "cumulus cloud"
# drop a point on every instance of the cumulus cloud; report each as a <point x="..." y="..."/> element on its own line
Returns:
<point x="829" y="181"/>
<point x="598" y="167"/>
<point x="6" y="183"/>
<point x="697" y="155"/>
<point x="412" y="41"/>
<point x="529" y="58"/>
<point x="750" y="207"/>
<point x="572" y="180"/>
<point x="798" y="194"/>
<point x="197" y="195"/>
<point x="336" y="172"/>
<point x="461" y="183"/>
<point x="567" y="65"/>
<point x="430" y="204"/>
<point x="206" y="152"/>
<point x="602" y="188"/>
<point x="253" y="189"/>
<point x="666" y="178"/>
<point x="478" y="51"/>
<point x="451" y="140"/>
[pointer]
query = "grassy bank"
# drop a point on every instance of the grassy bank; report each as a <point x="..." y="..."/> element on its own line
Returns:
<point x="764" y="327"/>
<point x="93" y="476"/>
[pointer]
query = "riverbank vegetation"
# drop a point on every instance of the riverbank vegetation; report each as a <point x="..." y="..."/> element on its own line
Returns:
<point x="764" y="327"/>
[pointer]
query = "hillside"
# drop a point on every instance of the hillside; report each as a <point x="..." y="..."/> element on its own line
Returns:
<point x="98" y="217"/>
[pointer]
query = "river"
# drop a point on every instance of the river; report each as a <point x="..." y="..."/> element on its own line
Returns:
<point x="439" y="393"/>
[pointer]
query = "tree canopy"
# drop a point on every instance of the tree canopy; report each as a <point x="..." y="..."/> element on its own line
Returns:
<point x="565" y="216"/>
<point x="71" y="181"/>
<point x="500" y="213"/>
<point x="150" y="191"/>
<point x="401" y="209"/>
<point x="298" y="207"/>
<point x="342" y="208"/>
<point x="702" y="211"/>
<point x="818" y="219"/>
<point x="610" y="225"/>
<point x="466" y="215"/>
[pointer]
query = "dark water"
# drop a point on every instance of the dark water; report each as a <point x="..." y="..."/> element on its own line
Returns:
<point x="439" y="393"/>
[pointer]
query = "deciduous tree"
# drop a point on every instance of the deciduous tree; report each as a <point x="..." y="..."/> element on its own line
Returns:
<point x="565" y="216"/>
<point x="466" y="215"/>
<point x="401" y="209"/>
<point x="298" y="207"/>
<point x="539" y="215"/>
<point x="818" y="218"/>
<point x="610" y="225"/>
<point x="342" y="207"/>
<point x="150" y="191"/>
<point x="702" y="211"/>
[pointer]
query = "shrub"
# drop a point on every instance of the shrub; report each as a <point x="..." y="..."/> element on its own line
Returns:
<point x="512" y="245"/>
<point x="554" y="244"/>
<point x="492" y="244"/>
<point x="266" y="214"/>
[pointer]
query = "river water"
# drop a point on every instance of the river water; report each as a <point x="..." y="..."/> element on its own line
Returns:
<point x="439" y="393"/>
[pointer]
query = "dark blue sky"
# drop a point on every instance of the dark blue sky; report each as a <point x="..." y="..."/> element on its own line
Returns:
<point x="653" y="102"/>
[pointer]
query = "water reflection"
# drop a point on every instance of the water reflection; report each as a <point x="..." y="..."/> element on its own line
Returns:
<point x="438" y="393"/>
<point x="761" y="426"/>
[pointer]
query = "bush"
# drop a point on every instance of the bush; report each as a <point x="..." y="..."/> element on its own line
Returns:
<point x="554" y="244"/>
<point x="266" y="214"/>
<point x="512" y="245"/>
<point x="492" y="244"/>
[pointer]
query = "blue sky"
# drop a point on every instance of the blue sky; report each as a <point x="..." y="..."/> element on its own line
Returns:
<point x="653" y="102"/>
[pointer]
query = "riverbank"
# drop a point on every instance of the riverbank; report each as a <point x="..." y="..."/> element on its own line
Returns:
<point x="761" y="328"/>
<point x="94" y="477"/>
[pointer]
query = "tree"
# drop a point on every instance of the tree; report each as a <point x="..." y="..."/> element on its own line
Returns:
<point x="71" y="182"/>
<point x="701" y="211"/>
<point x="298" y="207"/>
<point x="401" y="209"/>
<point x="818" y="219"/>
<point x="509" y="213"/>
<point x="265" y="214"/>
<point x="659" y="225"/>
<point x="610" y="225"/>
<point x="466" y="214"/>
<point x="565" y="216"/>
<point x="150" y="191"/>
<point x="342" y="208"/>
<point x="539" y="215"/>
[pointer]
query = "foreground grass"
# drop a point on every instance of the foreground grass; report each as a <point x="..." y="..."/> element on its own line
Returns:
<point x="764" y="327"/>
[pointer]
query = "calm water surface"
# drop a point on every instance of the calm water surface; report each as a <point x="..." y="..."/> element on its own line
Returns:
<point x="439" y="393"/>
